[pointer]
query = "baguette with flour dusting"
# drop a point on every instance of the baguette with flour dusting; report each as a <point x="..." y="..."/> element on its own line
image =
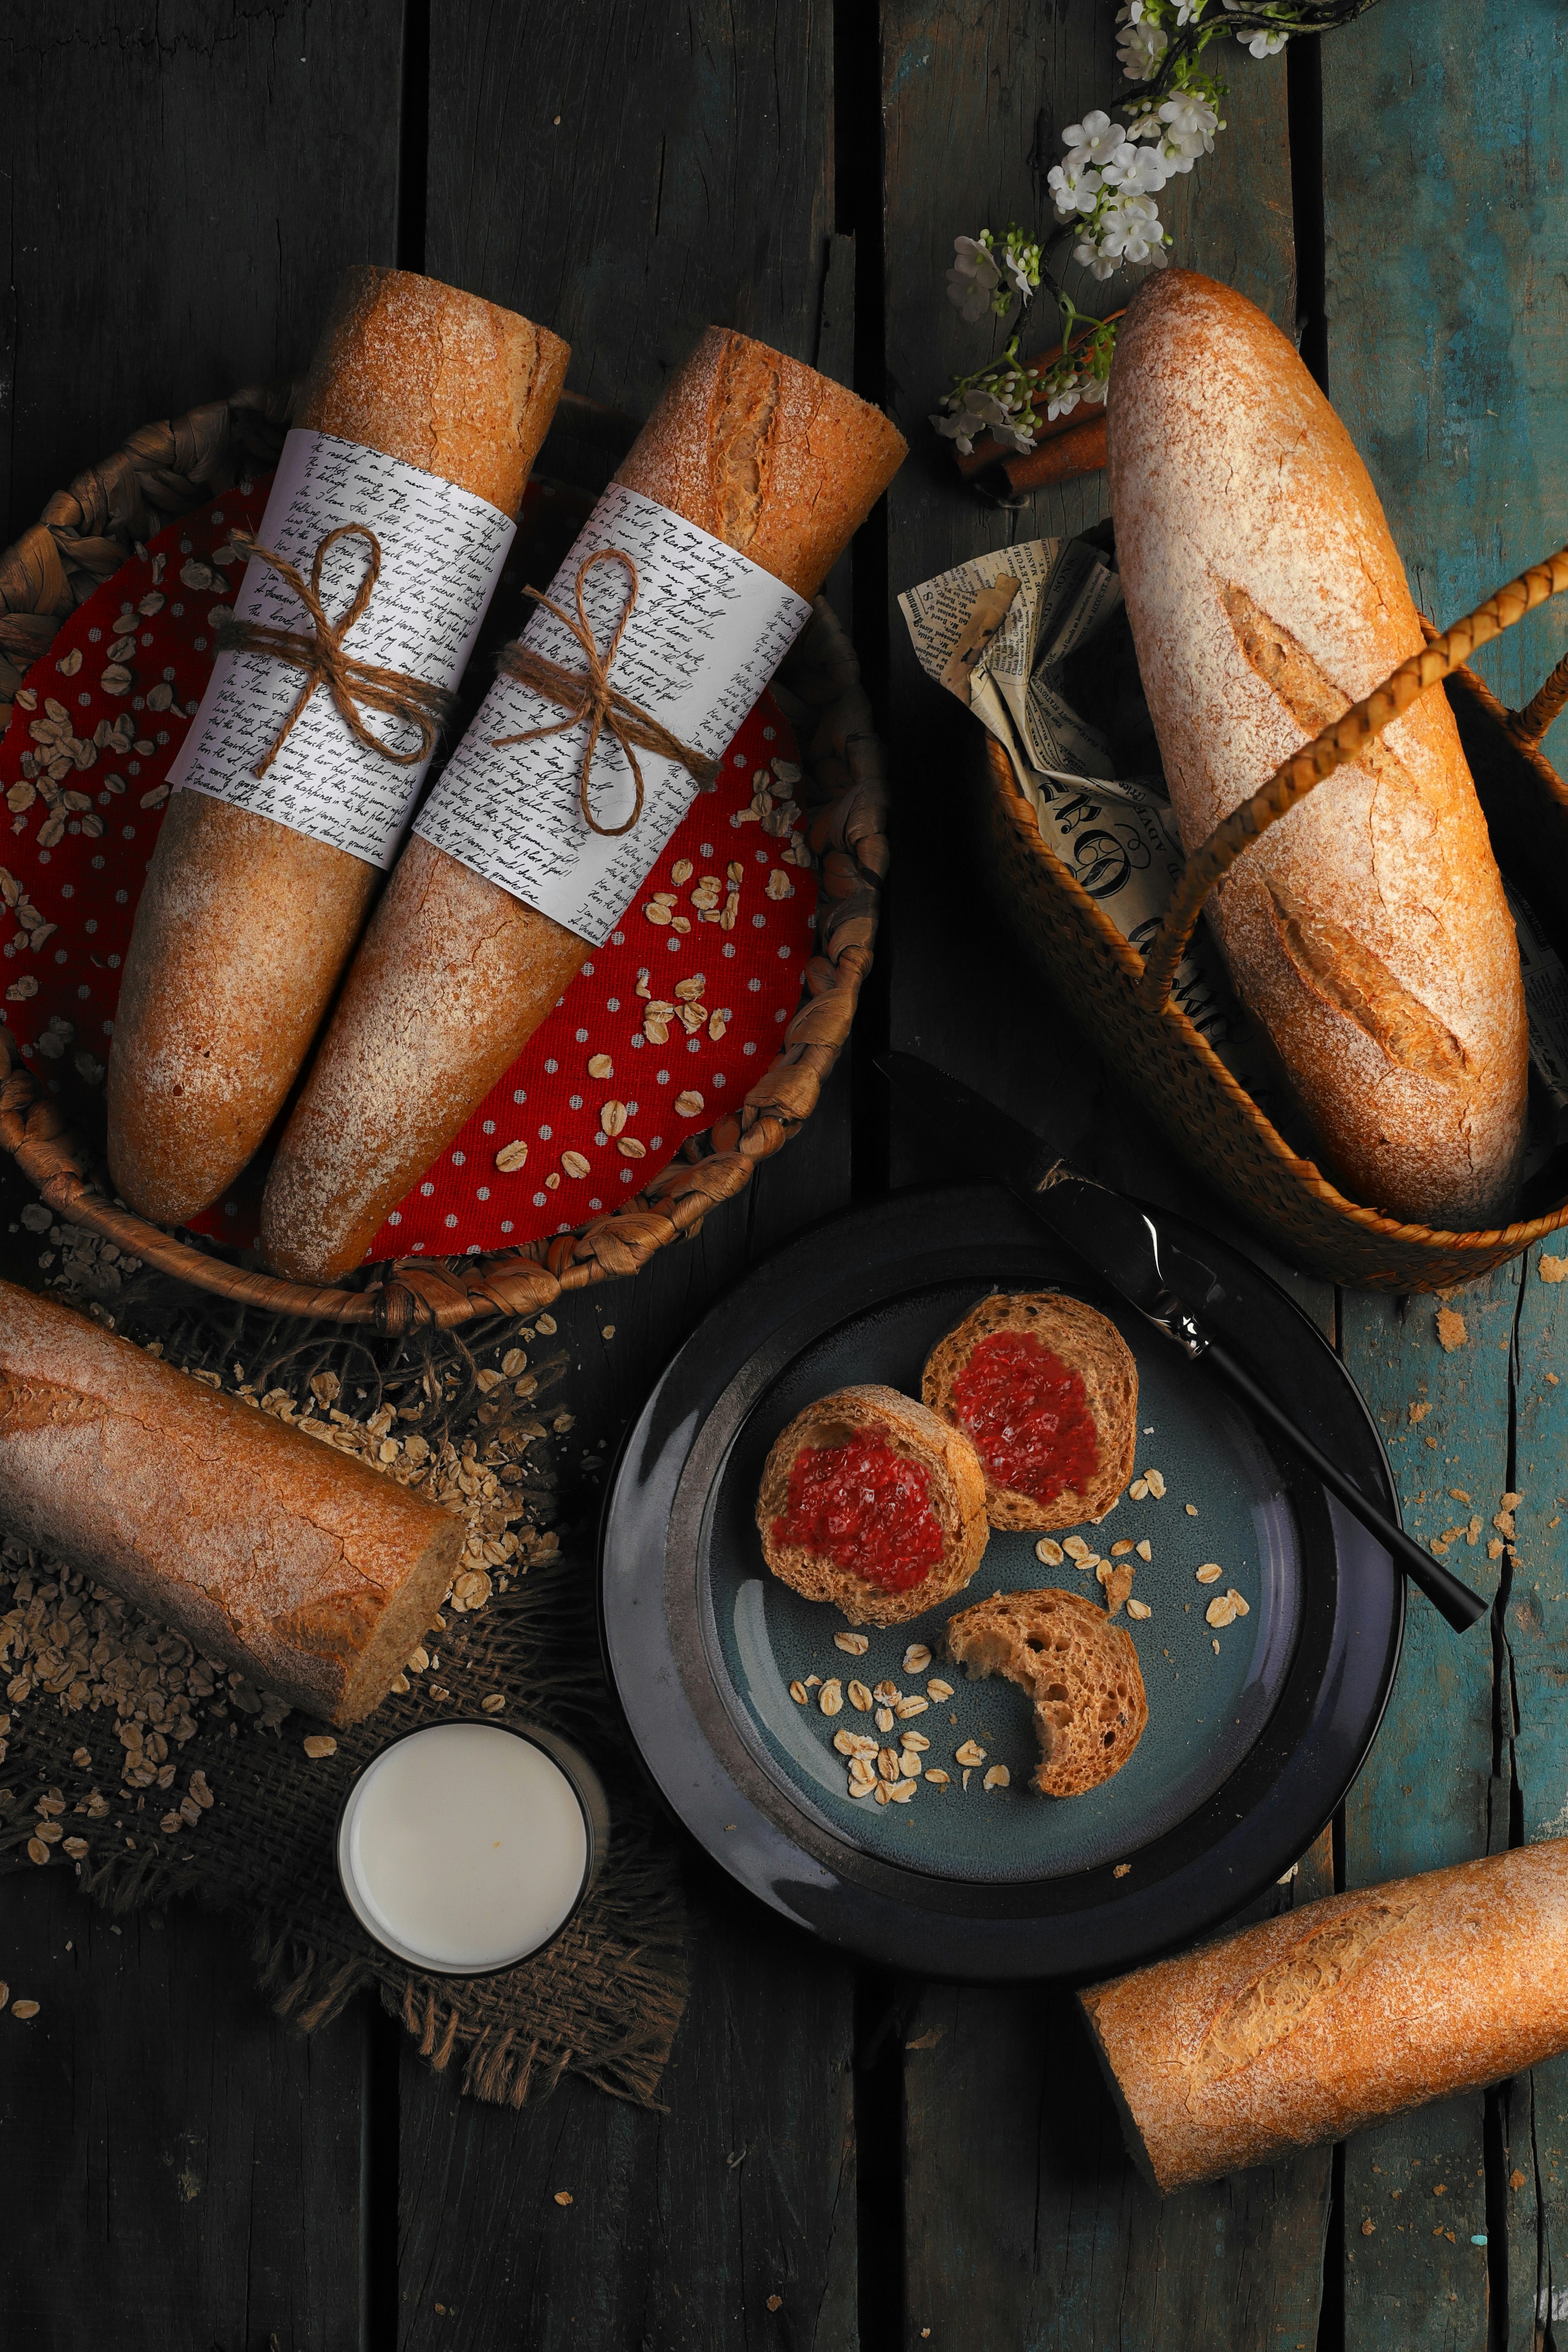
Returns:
<point x="243" y="925"/>
<point x="1368" y="930"/>
<point x="455" y="974"/>
<point x="268" y="1548"/>
<point x="1307" y="2027"/>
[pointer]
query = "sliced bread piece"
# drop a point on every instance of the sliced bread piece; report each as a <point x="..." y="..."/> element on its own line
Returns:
<point x="1046" y="1389"/>
<point x="1080" y="1670"/>
<point x="874" y="1501"/>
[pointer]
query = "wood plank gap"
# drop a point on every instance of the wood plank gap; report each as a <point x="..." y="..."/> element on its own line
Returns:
<point x="1331" y="2310"/>
<point x="380" y="2109"/>
<point x="884" y="2004"/>
<point x="414" y="135"/>
<point x="1304" y="108"/>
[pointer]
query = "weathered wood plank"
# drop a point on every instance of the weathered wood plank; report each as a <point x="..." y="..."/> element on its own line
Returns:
<point x="185" y="188"/>
<point x="1446" y="343"/>
<point x="1025" y="2224"/>
<point x="182" y="2170"/>
<point x="689" y="179"/>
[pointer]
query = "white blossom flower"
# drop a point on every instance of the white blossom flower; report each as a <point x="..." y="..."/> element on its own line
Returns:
<point x="1131" y="231"/>
<point x="1190" y="125"/>
<point x="1063" y="402"/>
<point x="1139" y="45"/>
<point x="1017" y="276"/>
<point x="1013" y="437"/>
<point x="1093" y="259"/>
<point x="1266" y="44"/>
<point x="973" y="279"/>
<point x="1138" y="170"/>
<point x="1074" y="190"/>
<point x="1095" y="387"/>
<point x="1093" y="138"/>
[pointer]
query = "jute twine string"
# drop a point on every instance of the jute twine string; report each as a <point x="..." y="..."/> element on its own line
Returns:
<point x="1334" y="748"/>
<point x="352" y="684"/>
<point x="588" y="694"/>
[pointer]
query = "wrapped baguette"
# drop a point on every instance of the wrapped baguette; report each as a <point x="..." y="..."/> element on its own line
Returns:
<point x="1362" y="2005"/>
<point x="1368" y="930"/>
<point x="455" y="973"/>
<point x="243" y="925"/>
<point x="268" y="1548"/>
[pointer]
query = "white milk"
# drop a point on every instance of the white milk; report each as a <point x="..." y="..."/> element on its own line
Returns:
<point x="463" y="1847"/>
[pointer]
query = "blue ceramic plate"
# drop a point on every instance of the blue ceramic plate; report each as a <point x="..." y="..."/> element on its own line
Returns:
<point x="1256" y="1728"/>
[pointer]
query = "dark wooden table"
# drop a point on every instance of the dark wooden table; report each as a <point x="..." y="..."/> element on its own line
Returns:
<point x="846" y="2157"/>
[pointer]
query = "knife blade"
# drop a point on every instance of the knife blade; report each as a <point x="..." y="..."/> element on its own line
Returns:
<point x="1166" y="1281"/>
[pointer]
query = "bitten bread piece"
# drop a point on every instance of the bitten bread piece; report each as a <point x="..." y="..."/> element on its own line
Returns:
<point x="956" y="1494"/>
<point x="244" y="927"/>
<point x="1080" y="1670"/>
<point x="268" y="1548"/>
<point x="1307" y="2027"/>
<point x="1368" y="930"/>
<point x="1089" y="1345"/>
<point x="455" y="975"/>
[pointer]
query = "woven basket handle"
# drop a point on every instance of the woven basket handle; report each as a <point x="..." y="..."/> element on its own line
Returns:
<point x="1339" y="743"/>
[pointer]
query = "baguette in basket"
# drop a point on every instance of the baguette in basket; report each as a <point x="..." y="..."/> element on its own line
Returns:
<point x="1368" y="931"/>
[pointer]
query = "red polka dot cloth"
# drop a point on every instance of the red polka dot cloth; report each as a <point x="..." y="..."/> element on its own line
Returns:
<point x="664" y="1028"/>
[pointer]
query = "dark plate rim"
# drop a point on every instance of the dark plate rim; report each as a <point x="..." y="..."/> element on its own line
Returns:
<point x="1089" y="1921"/>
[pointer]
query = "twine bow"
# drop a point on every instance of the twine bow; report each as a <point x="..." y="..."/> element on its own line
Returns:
<point x="353" y="685"/>
<point x="588" y="694"/>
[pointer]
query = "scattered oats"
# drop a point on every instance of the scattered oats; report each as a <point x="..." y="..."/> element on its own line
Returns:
<point x="1236" y="1603"/>
<point x="493" y="1702"/>
<point x="629" y="1149"/>
<point x="998" y="1777"/>
<point x="1139" y="1490"/>
<point x="939" y="1691"/>
<point x="1121" y="1870"/>
<point x="906" y="1708"/>
<point x="689" y="1103"/>
<point x="830" y="1698"/>
<point x="655" y="912"/>
<point x="24" y="2008"/>
<point x="683" y="870"/>
<point x="80" y="1758"/>
<point x="970" y="1753"/>
<point x="814" y="1682"/>
<point x="76" y="1847"/>
<point x="573" y="1164"/>
<point x="1048" y="1552"/>
<point x="1139" y="1609"/>
<point x="916" y="1741"/>
<point x="860" y="1698"/>
<point x="1155" y="1482"/>
<point x="853" y="1743"/>
<point x="37" y="1851"/>
<point x="601" y="1066"/>
<point x="917" y="1658"/>
<point x="1120" y="1550"/>
<point x="910" y="1766"/>
<point x="1145" y="1550"/>
<point x="966" y="1779"/>
<point x="1192" y="1510"/>
<point x="864" y="1784"/>
<point x="939" y="1777"/>
<point x="612" y="1116"/>
<point x="1216" y="1648"/>
<point x="1076" y="1548"/>
<point x="510" y="1157"/>
<point x="884" y="1718"/>
<point x="318" y="1744"/>
<point x="889" y="1693"/>
<point x="1221" y="1611"/>
<point x="563" y="2196"/>
<point x="798" y="1693"/>
<point x="888" y="1763"/>
<point x="1210" y="1572"/>
<point x="901" y="1792"/>
<point x="854" y="1646"/>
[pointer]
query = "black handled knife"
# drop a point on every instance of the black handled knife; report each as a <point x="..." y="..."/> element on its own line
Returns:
<point x="1167" y="1283"/>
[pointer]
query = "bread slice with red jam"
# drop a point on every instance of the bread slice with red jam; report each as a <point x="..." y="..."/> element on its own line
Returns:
<point x="1047" y="1391"/>
<point x="874" y="1501"/>
<point x="1080" y="1669"/>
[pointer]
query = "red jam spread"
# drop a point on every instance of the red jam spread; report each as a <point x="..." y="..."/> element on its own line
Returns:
<point x="1028" y="1416"/>
<point x="861" y="1506"/>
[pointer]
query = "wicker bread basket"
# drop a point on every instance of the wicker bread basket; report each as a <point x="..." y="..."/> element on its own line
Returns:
<point x="165" y="470"/>
<point x="1124" y="1003"/>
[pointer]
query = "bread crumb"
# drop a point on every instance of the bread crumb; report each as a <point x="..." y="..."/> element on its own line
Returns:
<point x="1516" y="2178"/>
<point x="1554" y="1269"/>
<point x="1192" y="1510"/>
<point x="1367" y="2227"/>
<point x="1419" y="1412"/>
<point x="1451" y="1331"/>
<point x="1551" y="1378"/>
<point x="1121" y="1870"/>
<point x="563" y="2196"/>
<point x="775" y="2303"/>
<point x="318" y="1744"/>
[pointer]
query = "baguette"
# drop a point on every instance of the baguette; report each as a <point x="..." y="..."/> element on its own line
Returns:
<point x="243" y="925"/>
<point x="1368" y="930"/>
<point x="268" y="1548"/>
<point x="937" y="1515"/>
<point x="1080" y="1670"/>
<point x="1362" y="2005"/>
<point x="455" y="974"/>
<point x="1057" y="1453"/>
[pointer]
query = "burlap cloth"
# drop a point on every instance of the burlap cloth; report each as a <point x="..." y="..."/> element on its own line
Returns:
<point x="152" y="1773"/>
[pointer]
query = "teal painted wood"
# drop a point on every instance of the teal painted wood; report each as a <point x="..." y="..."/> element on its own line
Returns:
<point x="1427" y="1795"/>
<point x="1444" y="129"/>
<point x="1535" y="1627"/>
<point x="1444" y="126"/>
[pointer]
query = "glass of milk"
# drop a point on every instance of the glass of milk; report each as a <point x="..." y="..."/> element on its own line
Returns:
<point x="465" y="1847"/>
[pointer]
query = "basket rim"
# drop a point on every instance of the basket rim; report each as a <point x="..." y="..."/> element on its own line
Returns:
<point x="163" y="471"/>
<point x="1482" y="1242"/>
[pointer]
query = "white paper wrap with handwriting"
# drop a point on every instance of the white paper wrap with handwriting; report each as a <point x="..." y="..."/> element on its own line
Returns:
<point x="708" y="631"/>
<point x="441" y="554"/>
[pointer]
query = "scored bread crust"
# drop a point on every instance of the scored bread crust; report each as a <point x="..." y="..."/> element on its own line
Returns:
<point x="454" y="975"/>
<point x="244" y="927"/>
<point x="267" y="1549"/>
<point x="1080" y="1670"/>
<point x="1090" y="1344"/>
<point x="1307" y="2027"/>
<point x="1368" y="930"/>
<point x="915" y="1434"/>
